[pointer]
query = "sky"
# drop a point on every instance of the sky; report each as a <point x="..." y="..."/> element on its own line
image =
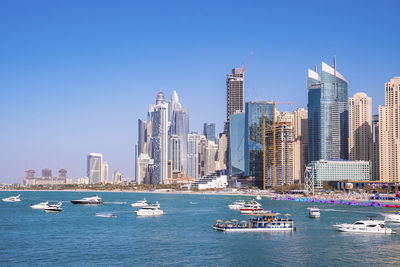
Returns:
<point x="75" y="76"/>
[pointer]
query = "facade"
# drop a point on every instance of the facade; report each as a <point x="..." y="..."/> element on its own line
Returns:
<point x="210" y="157"/>
<point x="389" y="137"/>
<point x="340" y="170"/>
<point x="375" y="148"/>
<point x="104" y="173"/>
<point x="300" y="145"/>
<point x="141" y="168"/>
<point x="222" y="152"/>
<point x="360" y="127"/>
<point x="236" y="144"/>
<point x="174" y="153"/>
<point x="46" y="173"/>
<point x="192" y="156"/>
<point x="30" y="174"/>
<point x="94" y="164"/>
<point x="201" y="145"/>
<point x="211" y="181"/>
<point x="62" y="174"/>
<point x="209" y="131"/>
<point x="142" y="137"/>
<point x="327" y="114"/>
<point x="234" y="94"/>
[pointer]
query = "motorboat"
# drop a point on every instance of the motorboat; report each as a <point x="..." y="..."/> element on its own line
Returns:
<point x="314" y="212"/>
<point x="40" y="206"/>
<point x="94" y="200"/>
<point x="367" y="226"/>
<point x="237" y="205"/>
<point x="393" y="218"/>
<point x="269" y="222"/>
<point x="140" y="203"/>
<point x="12" y="198"/>
<point x="106" y="215"/>
<point x="54" y="208"/>
<point x="154" y="204"/>
<point x="252" y="207"/>
<point x="258" y="197"/>
<point x="149" y="211"/>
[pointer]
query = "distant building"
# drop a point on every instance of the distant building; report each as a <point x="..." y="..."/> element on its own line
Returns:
<point x="236" y="145"/>
<point x="30" y="174"/>
<point x="84" y="180"/>
<point x="375" y="148"/>
<point x="300" y="145"/>
<point x="117" y="177"/>
<point x="209" y="131"/>
<point x="216" y="180"/>
<point x="62" y="174"/>
<point x="234" y="94"/>
<point x="222" y="152"/>
<point x="192" y="156"/>
<point x="340" y="170"/>
<point x="94" y="164"/>
<point x="174" y="152"/>
<point x="210" y="157"/>
<point x="46" y="173"/>
<point x="104" y="173"/>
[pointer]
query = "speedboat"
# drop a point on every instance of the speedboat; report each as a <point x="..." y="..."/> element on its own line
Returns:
<point x="54" y="208"/>
<point x="314" y="212"/>
<point x="237" y="205"/>
<point x="267" y="223"/>
<point x="393" y="218"/>
<point x="106" y="215"/>
<point x="367" y="226"/>
<point x="94" y="200"/>
<point x="40" y="206"/>
<point x="140" y="203"/>
<point x="149" y="211"/>
<point x="258" y="197"/>
<point x="12" y="199"/>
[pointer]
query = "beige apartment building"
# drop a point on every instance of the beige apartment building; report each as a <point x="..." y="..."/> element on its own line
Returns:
<point x="389" y="131"/>
<point x="300" y="145"/>
<point x="360" y="127"/>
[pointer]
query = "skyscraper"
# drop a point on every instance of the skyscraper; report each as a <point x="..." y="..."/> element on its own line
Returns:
<point x="237" y="145"/>
<point x="174" y="152"/>
<point x="209" y="131"/>
<point x="104" y="172"/>
<point x="94" y="164"/>
<point x="375" y="148"/>
<point x="192" y="156"/>
<point x="159" y="138"/>
<point x="62" y="174"/>
<point x="46" y="173"/>
<point x="389" y="134"/>
<point x="210" y="157"/>
<point x="222" y="152"/>
<point x="327" y="114"/>
<point x="142" y="136"/>
<point x="300" y="125"/>
<point x="234" y="94"/>
<point x="360" y="127"/>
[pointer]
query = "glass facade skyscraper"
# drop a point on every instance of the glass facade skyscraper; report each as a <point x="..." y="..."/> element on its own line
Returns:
<point x="209" y="131"/>
<point x="94" y="163"/>
<point x="236" y="144"/>
<point x="328" y="122"/>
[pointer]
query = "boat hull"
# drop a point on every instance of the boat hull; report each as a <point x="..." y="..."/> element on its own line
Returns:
<point x="254" y="229"/>
<point x="79" y="202"/>
<point x="53" y="210"/>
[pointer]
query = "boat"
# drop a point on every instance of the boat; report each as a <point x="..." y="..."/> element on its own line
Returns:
<point x="314" y="212"/>
<point x="268" y="222"/>
<point x="149" y="211"/>
<point x="252" y="207"/>
<point x="94" y="200"/>
<point x="40" y="206"/>
<point x="237" y="205"/>
<point x="140" y="203"/>
<point x="258" y="197"/>
<point x="12" y="198"/>
<point x="193" y="203"/>
<point x="393" y="218"/>
<point x="106" y="215"/>
<point x="368" y="226"/>
<point x="54" y="208"/>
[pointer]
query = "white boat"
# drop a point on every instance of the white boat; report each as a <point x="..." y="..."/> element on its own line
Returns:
<point x="12" y="199"/>
<point x="40" y="206"/>
<point x="140" y="203"/>
<point x="149" y="211"/>
<point x="94" y="200"/>
<point x="267" y="223"/>
<point x="106" y="215"/>
<point x="54" y="208"/>
<point x="237" y="205"/>
<point x="314" y="213"/>
<point x="393" y="218"/>
<point x="367" y="226"/>
<point x="252" y="207"/>
<point x="258" y="197"/>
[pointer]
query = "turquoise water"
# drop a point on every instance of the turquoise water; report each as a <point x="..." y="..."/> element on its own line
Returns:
<point x="183" y="236"/>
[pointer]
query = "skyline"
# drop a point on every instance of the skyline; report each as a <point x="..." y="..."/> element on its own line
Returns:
<point x="70" y="87"/>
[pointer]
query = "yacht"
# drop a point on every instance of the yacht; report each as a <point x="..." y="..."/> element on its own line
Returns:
<point x="12" y="199"/>
<point x="258" y="197"/>
<point x="267" y="223"/>
<point x="237" y="205"/>
<point x="314" y="212"/>
<point x="393" y="218"/>
<point x="94" y="200"/>
<point x="252" y="207"/>
<point x="40" y="206"/>
<point x="54" y="208"/>
<point x="367" y="226"/>
<point x="149" y="211"/>
<point x="140" y="203"/>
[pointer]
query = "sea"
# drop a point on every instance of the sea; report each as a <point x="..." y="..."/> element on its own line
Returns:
<point x="183" y="236"/>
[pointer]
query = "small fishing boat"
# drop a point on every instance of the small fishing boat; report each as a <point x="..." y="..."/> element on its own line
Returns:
<point x="12" y="199"/>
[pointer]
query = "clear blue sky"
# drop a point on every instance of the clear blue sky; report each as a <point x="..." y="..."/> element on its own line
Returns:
<point x="76" y="75"/>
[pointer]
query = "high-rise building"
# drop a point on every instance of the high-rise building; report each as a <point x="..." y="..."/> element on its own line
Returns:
<point x="375" y="148"/>
<point x="209" y="131"/>
<point x="193" y="156"/>
<point x="389" y="134"/>
<point x="210" y="157"/>
<point x="94" y="163"/>
<point x="360" y="127"/>
<point x="327" y="114"/>
<point x="159" y="138"/>
<point x="30" y="174"/>
<point x="117" y="177"/>
<point x="174" y="152"/>
<point x="46" y="173"/>
<point x="237" y="144"/>
<point x="234" y="94"/>
<point x="141" y="167"/>
<point x="201" y="145"/>
<point x="142" y="136"/>
<point x="300" y="125"/>
<point x="222" y="152"/>
<point x="62" y="174"/>
<point x="104" y="172"/>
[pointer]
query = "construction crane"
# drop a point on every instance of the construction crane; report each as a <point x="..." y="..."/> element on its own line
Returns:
<point x="265" y="113"/>
<point x="247" y="62"/>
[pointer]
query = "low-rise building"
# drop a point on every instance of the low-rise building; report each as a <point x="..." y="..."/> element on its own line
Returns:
<point x="216" y="180"/>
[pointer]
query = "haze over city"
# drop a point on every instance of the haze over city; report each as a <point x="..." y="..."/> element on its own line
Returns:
<point x="76" y="77"/>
